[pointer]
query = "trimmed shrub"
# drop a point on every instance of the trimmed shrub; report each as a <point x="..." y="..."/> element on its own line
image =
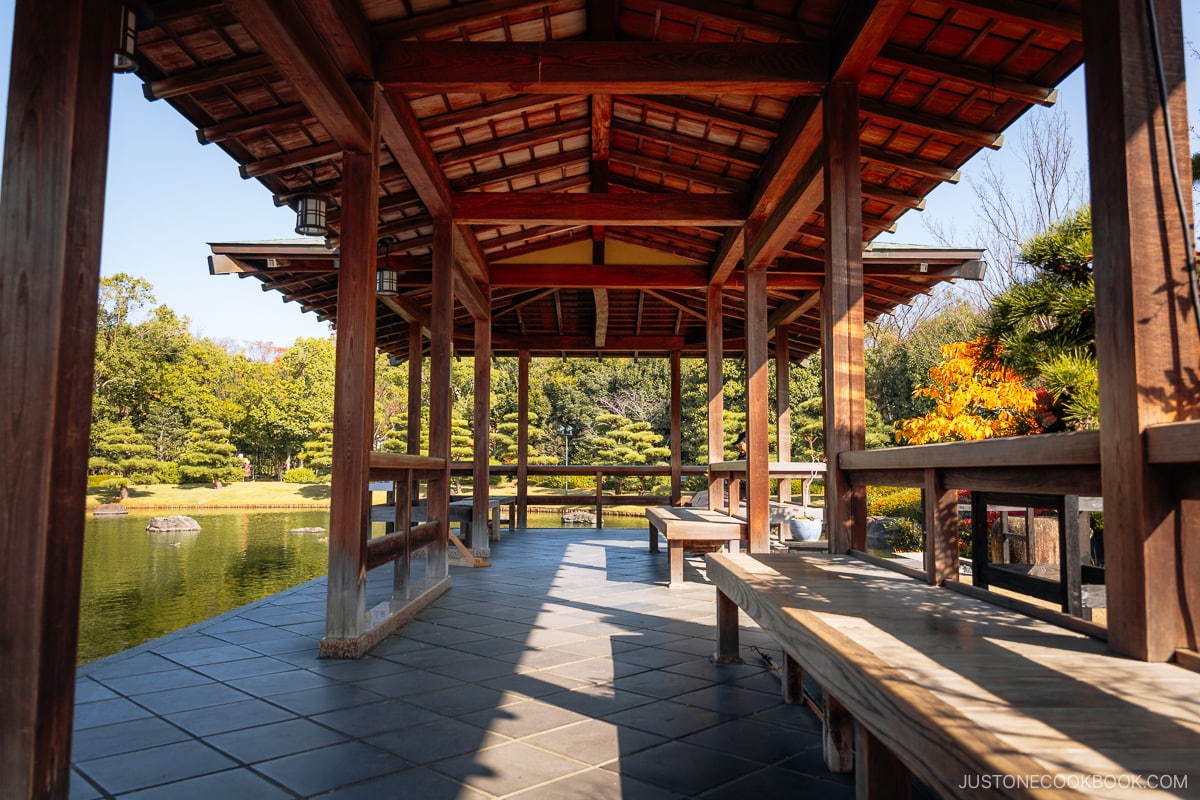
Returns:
<point x="894" y="501"/>
<point x="904" y="535"/>
<point x="300" y="475"/>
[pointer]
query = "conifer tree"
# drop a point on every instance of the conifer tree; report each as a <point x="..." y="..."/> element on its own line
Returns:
<point x="210" y="457"/>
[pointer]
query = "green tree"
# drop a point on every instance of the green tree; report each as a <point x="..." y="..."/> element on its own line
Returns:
<point x="210" y="457"/>
<point x="620" y="440"/>
<point x="318" y="451"/>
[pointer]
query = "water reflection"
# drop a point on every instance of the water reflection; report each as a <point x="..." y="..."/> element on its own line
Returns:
<point x="139" y="585"/>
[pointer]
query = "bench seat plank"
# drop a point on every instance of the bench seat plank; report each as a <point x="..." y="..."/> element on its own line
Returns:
<point x="687" y="528"/>
<point x="959" y="687"/>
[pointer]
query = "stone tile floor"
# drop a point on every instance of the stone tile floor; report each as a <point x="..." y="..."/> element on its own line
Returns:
<point x="566" y="669"/>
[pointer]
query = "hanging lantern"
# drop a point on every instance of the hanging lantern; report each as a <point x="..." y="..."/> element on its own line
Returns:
<point x="127" y="45"/>
<point x="310" y="214"/>
<point x="387" y="280"/>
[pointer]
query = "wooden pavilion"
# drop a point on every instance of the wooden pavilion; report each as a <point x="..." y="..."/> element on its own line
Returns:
<point x="628" y="176"/>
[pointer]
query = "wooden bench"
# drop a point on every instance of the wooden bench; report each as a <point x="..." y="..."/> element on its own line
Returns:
<point x="954" y="689"/>
<point x="687" y="529"/>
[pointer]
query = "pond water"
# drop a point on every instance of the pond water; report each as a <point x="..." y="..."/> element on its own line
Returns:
<point x="139" y="585"/>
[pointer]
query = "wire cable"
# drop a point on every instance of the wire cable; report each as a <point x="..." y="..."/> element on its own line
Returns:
<point x="1163" y="93"/>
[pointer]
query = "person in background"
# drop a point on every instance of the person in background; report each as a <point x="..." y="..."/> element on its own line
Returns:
<point x="740" y="444"/>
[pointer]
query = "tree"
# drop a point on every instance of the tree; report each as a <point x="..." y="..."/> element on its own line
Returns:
<point x="210" y="456"/>
<point x="974" y="397"/>
<point x="620" y="440"/>
<point x="318" y="451"/>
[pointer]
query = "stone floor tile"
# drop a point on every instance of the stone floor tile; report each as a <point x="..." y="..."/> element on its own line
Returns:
<point x="276" y="739"/>
<point x="669" y="719"/>
<point x="293" y="680"/>
<point x="522" y="719"/>
<point x="595" y="741"/>
<point x="89" y="691"/>
<point x="656" y="683"/>
<point x="458" y="700"/>
<point x="754" y="741"/>
<point x="232" y="784"/>
<point x="333" y="767"/>
<point x="596" y="783"/>
<point x="228" y="717"/>
<point x="413" y="783"/>
<point x="507" y="768"/>
<point x="124" y="737"/>
<point x="189" y="698"/>
<point x="82" y="789"/>
<point x="107" y="712"/>
<point x="324" y="698"/>
<point x="435" y="741"/>
<point x="178" y="678"/>
<point x="682" y="767"/>
<point x="243" y="668"/>
<point x="216" y="653"/>
<point x="141" y="769"/>
<point x="775" y="782"/>
<point x="375" y="718"/>
<point x="121" y="665"/>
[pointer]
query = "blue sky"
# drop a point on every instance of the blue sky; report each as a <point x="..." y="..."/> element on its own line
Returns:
<point x="168" y="196"/>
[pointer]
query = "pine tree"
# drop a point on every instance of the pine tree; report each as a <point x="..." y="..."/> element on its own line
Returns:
<point x="318" y="452"/>
<point x="210" y="457"/>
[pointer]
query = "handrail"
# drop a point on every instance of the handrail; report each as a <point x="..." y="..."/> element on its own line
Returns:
<point x="1173" y="442"/>
<point x="1078" y="448"/>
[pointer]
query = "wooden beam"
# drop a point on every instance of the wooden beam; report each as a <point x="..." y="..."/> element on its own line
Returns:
<point x="714" y="352"/>
<point x="783" y="404"/>
<point x="477" y="115"/>
<point x="408" y="310"/>
<point x="289" y="161"/>
<point x="506" y="208"/>
<point x="585" y="67"/>
<point x="909" y="164"/>
<point x="354" y="395"/>
<point x="676" y="405"/>
<point x="472" y="297"/>
<point x="441" y="317"/>
<point x="481" y="443"/>
<point x="288" y="38"/>
<point x="1146" y="336"/>
<point x="52" y="205"/>
<point x="207" y="77"/>
<point x="602" y="121"/>
<point x="607" y="276"/>
<point x="253" y="123"/>
<point x="862" y="30"/>
<point x="677" y="304"/>
<point x="842" y="318"/>
<point x="534" y="166"/>
<point x="490" y="148"/>
<point x="1021" y="12"/>
<point x="907" y="116"/>
<point x="600" y="296"/>
<point x="344" y="31"/>
<point x="758" y="490"/>
<point x="986" y="81"/>
<point x="454" y="16"/>
<point x="743" y="17"/>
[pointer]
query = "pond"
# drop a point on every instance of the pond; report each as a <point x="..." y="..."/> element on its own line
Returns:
<point x="139" y="585"/>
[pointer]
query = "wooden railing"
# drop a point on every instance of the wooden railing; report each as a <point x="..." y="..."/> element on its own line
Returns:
<point x="597" y="501"/>
<point x="405" y="471"/>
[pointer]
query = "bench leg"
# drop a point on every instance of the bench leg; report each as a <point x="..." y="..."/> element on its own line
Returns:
<point x="727" y="631"/>
<point x="878" y="773"/>
<point x="495" y="523"/>
<point x="837" y="735"/>
<point x="793" y="681"/>
<point x="653" y="538"/>
<point x="675" y="551"/>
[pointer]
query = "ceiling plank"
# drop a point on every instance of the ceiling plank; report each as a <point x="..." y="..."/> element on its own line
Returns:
<point x="1021" y="12"/>
<point x="912" y="165"/>
<point x="742" y="17"/>
<point x="976" y="77"/>
<point x="207" y="77"/>
<point x="907" y="116"/>
<point x="520" y="141"/>
<point x="480" y="208"/>
<point x="787" y="313"/>
<point x="586" y="67"/>
<point x="287" y="37"/>
<point x="408" y="310"/>
<point x="454" y="16"/>
<point x="606" y="276"/>
<point x="671" y="169"/>
<point x="292" y="160"/>
<point x="524" y="169"/>
<point x="703" y="147"/>
<point x="252" y="123"/>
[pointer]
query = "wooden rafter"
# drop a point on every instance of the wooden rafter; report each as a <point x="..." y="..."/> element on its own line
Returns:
<point x="542" y="209"/>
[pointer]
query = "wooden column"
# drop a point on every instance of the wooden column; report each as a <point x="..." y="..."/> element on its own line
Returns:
<point x="55" y="157"/>
<point x="483" y="419"/>
<point x="676" y="432"/>
<point x="758" y="485"/>
<point x="783" y="405"/>
<point x="415" y="345"/>
<point x="353" y="392"/>
<point x="523" y="439"/>
<point x="941" y="529"/>
<point x="441" y="328"/>
<point x="716" y="383"/>
<point x="1146" y="339"/>
<point x="842" y="318"/>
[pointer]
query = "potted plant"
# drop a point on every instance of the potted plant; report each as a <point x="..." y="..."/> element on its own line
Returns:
<point x="805" y="528"/>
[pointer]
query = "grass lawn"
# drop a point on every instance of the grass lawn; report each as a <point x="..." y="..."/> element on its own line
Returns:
<point x="257" y="494"/>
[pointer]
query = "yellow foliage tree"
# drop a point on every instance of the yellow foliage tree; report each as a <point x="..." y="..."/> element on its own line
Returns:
<point x="976" y="397"/>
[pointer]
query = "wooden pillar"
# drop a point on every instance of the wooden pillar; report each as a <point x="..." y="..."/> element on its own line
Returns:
<point x="1146" y="339"/>
<point x="758" y="486"/>
<point x="523" y="439"/>
<point x="716" y="383"/>
<point x="483" y="419"/>
<point x="441" y="328"/>
<point x="728" y="647"/>
<point x="414" y="388"/>
<point x="941" y="529"/>
<point x="55" y="158"/>
<point x="783" y="405"/>
<point x="676" y="432"/>
<point x="354" y="391"/>
<point x="842" y="318"/>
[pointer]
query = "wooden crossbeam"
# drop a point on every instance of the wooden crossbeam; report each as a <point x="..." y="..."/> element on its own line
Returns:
<point x="252" y="123"/>
<point x="907" y="116"/>
<point x="1021" y="12"/>
<point x="292" y="160"/>
<point x="477" y="116"/>
<point x="608" y="276"/>
<point x="584" y="67"/>
<point x="984" y="80"/>
<point x="207" y="77"/>
<point x="909" y="164"/>
<point x="520" y="141"/>
<point x="477" y="208"/>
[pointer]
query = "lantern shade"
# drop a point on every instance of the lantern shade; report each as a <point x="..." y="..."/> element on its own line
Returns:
<point x="127" y="45"/>
<point x="387" y="282"/>
<point x="310" y="214"/>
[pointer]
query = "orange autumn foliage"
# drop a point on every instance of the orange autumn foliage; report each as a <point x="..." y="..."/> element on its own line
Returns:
<point x="976" y="398"/>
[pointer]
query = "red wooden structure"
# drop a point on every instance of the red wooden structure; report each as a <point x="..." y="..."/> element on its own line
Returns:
<point x="692" y="176"/>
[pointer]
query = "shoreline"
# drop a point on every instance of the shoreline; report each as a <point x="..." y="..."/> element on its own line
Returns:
<point x="91" y="508"/>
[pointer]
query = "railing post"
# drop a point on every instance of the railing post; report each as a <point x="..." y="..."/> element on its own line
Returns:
<point x="599" y="498"/>
<point x="941" y="529"/>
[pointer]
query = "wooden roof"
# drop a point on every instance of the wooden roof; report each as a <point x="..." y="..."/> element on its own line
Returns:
<point x="604" y="162"/>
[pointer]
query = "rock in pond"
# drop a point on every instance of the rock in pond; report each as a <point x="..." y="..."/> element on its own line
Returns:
<point x="110" y="510"/>
<point x="173" y="523"/>
<point x="579" y="518"/>
<point x="307" y="530"/>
